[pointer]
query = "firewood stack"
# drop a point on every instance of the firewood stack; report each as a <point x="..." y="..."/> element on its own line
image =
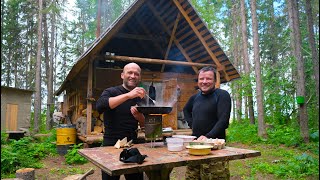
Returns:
<point x="97" y="126"/>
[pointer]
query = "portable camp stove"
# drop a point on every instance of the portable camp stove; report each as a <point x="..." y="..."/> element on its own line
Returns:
<point x="153" y="122"/>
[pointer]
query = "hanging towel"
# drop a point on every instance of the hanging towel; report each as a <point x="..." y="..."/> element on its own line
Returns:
<point x="152" y="93"/>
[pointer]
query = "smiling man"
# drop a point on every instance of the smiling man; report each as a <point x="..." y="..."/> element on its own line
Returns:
<point x="208" y="114"/>
<point x="121" y="117"/>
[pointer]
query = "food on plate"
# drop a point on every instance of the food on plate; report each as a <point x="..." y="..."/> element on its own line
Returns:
<point x="216" y="143"/>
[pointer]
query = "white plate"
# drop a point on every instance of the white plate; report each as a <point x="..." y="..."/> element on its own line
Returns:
<point x="185" y="138"/>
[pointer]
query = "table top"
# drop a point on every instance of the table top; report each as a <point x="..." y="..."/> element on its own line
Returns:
<point x="107" y="158"/>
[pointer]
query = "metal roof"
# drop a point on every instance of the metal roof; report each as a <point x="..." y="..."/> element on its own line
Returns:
<point x="17" y="89"/>
<point x="166" y="29"/>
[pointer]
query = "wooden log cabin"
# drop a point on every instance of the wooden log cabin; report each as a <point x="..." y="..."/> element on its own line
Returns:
<point x="166" y="38"/>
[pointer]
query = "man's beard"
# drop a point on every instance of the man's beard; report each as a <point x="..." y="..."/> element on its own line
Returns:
<point x="130" y="87"/>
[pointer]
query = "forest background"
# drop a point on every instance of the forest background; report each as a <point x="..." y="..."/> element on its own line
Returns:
<point x="273" y="44"/>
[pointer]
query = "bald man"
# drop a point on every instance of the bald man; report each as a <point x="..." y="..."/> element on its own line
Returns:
<point x="121" y="117"/>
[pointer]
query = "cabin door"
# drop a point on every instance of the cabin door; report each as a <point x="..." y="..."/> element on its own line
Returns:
<point x="11" y="117"/>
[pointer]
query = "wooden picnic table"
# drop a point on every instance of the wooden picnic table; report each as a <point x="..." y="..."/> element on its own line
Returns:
<point x="160" y="161"/>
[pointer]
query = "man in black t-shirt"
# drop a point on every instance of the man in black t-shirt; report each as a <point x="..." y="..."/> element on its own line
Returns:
<point x="208" y="114"/>
<point x="121" y="117"/>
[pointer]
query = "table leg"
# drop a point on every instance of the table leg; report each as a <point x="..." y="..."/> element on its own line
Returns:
<point x="163" y="174"/>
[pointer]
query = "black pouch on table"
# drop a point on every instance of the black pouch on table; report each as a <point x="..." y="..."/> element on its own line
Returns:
<point x="132" y="155"/>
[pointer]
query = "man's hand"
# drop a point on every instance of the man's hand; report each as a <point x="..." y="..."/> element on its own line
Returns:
<point x="202" y="138"/>
<point x="137" y="92"/>
<point x="137" y="115"/>
<point x="134" y="111"/>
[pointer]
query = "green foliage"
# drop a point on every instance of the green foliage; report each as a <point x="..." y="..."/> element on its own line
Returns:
<point x="24" y="153"/>
<point x="291" y="157"/>
<point x="295" y="167"/>
<point x="247" y="133"/>
<point x="73" y="157"/>
<point x="314" y="137"/>
<point x="4" y="137"/>
<point x="283" y="134"/>
<point x="242" y="132"/>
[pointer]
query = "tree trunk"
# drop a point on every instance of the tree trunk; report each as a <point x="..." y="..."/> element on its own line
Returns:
<point x="15" y="70"/>
<point x="37" y="100"/>
<point x="314" y="50"/>
<point x="261" y="124"/>
<point x="8" y="64"/>
<point x="296" y="46"/>
<point x="99" y="18"/>
<point x="246" y="114"/>
<point x="235" y="52"/>
<point x="50" y="102"/>
<point x="246" y="59"/>
<point x="46" y="55"/>
<point x="64" y="56"/>
<point x="274" y="48"/>
<point x="83" y="28"/>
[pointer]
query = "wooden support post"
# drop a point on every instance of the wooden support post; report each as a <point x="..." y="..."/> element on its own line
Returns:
<point x="89" y="95"/>
<point x="217" y="85"/>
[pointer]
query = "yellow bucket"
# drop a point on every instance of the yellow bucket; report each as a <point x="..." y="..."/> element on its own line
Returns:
<point x="66" y="134"/>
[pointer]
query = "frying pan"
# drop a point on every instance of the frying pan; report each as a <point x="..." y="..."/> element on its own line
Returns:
<point x="154" y="110"/>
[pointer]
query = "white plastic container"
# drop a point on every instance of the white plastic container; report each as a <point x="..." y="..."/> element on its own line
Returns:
<point x="186" y="138"/>
<point x="174" y="144"/>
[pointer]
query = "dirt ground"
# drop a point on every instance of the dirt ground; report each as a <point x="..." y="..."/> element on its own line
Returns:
<point x="55" y="168"/>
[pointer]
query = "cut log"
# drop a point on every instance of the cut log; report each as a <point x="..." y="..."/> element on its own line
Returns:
<point x="73" y="177"/>
<point x="26" y="173"/>
<point x="97" y="129"/>
<point x="94" y="133"/>
<point x="98" y="122"/>
<point x="95" y="114"/>
<point x="81" y="125"/>
<point x="94" y="138"/>
<point x="83" y="177"/>
<point x="101" y="117"/>
<point x="84" y="112"/>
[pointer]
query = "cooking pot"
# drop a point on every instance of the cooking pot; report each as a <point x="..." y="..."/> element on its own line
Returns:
<point x="154" y="110"/>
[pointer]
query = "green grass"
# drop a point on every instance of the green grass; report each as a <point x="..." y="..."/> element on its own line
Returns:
<point x="283" y="154"/>
<point x="67" y="171"/>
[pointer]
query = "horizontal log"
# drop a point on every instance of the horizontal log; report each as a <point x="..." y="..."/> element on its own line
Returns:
<point x="91" y="138"/>
<point x="154" y="61"/>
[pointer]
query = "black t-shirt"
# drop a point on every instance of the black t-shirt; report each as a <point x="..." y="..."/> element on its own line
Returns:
<point x="118" y="122"/>
<point x="209" y="114"/>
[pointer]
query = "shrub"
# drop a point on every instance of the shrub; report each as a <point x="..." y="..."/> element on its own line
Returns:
<point x="24" y="153"/>
<point x="243" y="132"/>
<point x="284" y="134"/>
<point x="73" y="157"/>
